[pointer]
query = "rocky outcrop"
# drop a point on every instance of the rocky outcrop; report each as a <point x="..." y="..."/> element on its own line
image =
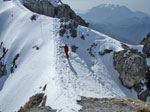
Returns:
<point x="133" y="71"/>
<point x="37" y="103"/>
<point x="42" y="109"/>
<point x="106" y="51"/>
<point x="74" y="48"/>
<point x="3" y="52"/>
<point x="14" y="65"/>
<point x="112" y="105"/>
<point x="38" y="100"/>
<point x="145" y="40"/>
<point x="41" y="7"/>
<point x="146" y="49"/>
<point x="61" y="11"/>
<point x="102" y="105"/>
<point x="146" y="43"/>
<point x="91" y="49"/>
<point x="131" y="66"/>
<point x="3" y="70"/>
<point x="71" y="27"/>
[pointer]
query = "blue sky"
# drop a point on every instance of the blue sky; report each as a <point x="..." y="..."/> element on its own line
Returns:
<point x="135" y="5"/>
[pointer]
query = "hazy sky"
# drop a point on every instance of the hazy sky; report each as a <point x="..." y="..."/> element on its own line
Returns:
<point x="136" y="5"/>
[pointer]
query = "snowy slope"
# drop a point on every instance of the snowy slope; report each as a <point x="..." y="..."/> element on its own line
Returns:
<point x="67" y="80"/>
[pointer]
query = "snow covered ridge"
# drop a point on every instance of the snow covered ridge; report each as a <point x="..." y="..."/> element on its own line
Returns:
<point x="40" y="65"/>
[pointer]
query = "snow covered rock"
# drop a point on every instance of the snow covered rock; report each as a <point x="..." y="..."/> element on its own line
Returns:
<point x="73" y="33"/>
<point x="3" y="52"/>
<point x="71" y="26"/>
<point x="131" y="66"/>
<point x="3" y="70"/>
<point x="146" y="49"/>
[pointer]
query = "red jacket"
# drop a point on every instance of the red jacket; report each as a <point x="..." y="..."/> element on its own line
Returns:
<point x="66" y="49"/>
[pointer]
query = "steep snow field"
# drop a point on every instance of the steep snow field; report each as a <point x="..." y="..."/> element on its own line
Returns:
<point x="67" y="80"/>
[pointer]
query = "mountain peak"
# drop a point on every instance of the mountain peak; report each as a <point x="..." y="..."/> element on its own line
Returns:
<point x="111" y="14"/>
<point x="111" y="7"/>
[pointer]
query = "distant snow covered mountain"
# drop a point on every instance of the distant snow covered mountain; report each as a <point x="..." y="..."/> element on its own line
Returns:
<point x="111" y="14"/>
<point x="35" y="63"/>
<point x="119" y="22"/>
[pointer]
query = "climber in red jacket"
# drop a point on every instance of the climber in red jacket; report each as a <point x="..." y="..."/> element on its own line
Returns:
<point x="66" y="49"/>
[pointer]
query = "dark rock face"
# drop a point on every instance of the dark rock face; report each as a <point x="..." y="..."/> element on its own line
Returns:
<point x="3" y="52"/>
<point x="131" y="66"/>
<point x="14" y="65"/>
<point x="91" y="51"/>
<point x="41" y="7"/>
<point x="3" y="70"/>
<point x="61" y="11"/>
<point x="143" y="95"/>
<point x="62" y="32"/>
<point x="146" y="49"/>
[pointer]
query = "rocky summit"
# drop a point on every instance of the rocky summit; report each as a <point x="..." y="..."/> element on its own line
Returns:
<point x="61" y="11"/>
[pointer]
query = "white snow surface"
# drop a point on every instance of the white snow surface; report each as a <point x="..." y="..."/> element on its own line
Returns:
<point x="67" y="80"/>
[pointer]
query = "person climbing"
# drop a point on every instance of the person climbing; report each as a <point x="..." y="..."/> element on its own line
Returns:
<point x="66" y="49"/>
